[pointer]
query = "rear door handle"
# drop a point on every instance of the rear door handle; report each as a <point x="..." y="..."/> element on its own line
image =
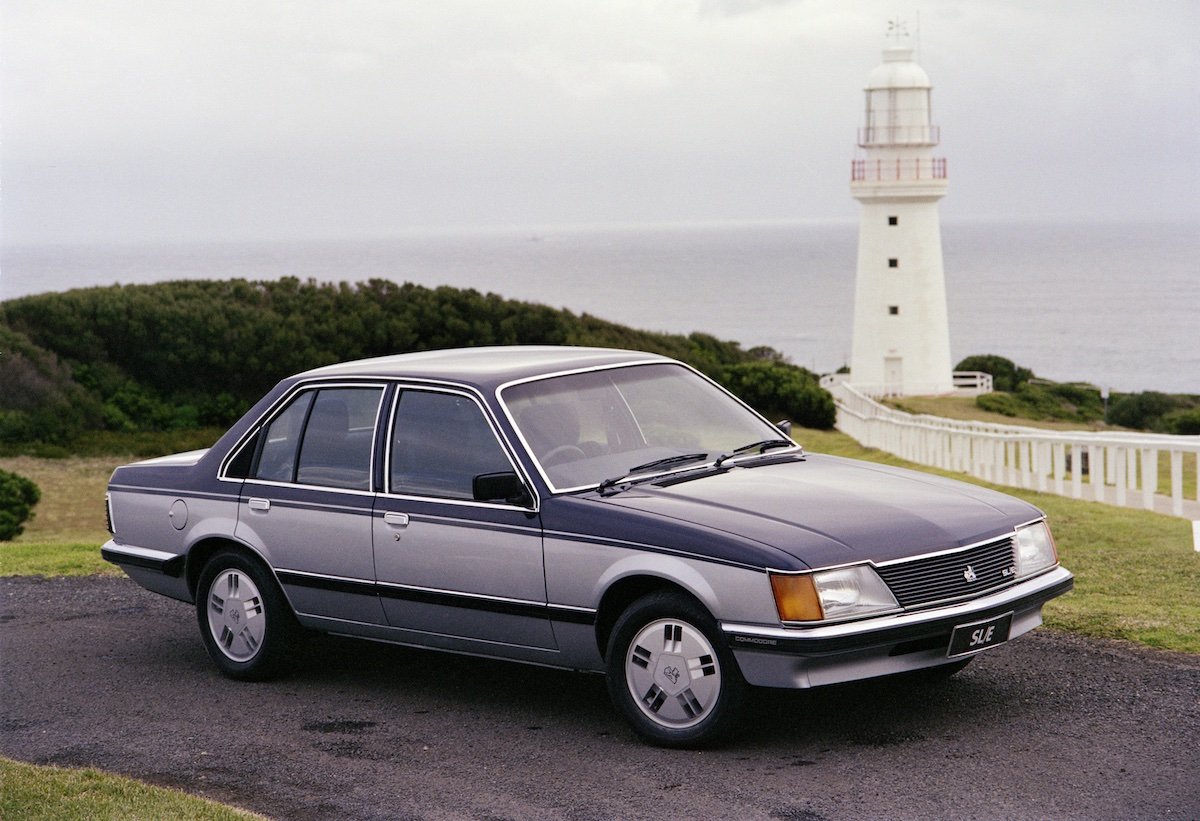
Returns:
<point x="260" y="504"/>
<point x="396" y="519"/>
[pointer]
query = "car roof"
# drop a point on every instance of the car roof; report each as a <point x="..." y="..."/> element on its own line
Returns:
<point x="486" y="367"/>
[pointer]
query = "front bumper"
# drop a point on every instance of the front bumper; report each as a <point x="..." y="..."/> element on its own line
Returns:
<point x="812" y="656"/>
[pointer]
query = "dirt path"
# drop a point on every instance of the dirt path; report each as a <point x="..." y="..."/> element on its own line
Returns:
<point x="98" y="672"/>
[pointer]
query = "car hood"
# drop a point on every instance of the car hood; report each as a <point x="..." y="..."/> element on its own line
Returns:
<point x="827" y="510"/>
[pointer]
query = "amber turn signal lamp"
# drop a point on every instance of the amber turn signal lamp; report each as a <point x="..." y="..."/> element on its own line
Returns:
<point x="796" y="598"/>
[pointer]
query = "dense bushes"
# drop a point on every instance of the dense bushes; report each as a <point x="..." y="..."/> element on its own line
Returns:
<point x="1165" y="413"/>
<point x="1047" y="400"/>
<point x="780" y="390"/>
<point x="1020" y="393"/>
<point x="1006" y="376"/>
<point x="178" y="355"/>
<point x="18" y="495"/>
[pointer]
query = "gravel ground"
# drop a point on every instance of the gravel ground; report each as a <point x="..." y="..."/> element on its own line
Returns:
<point x="98" y="672"/>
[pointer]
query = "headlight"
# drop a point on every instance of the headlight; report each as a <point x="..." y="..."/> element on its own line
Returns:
<point x="1035" y="549"/>
<point x="846" y="592"/>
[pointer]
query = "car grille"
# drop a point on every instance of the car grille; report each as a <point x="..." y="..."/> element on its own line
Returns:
<point x="948" y="576"/>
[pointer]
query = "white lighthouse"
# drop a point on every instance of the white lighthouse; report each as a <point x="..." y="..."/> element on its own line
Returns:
<point x="901" y="331"/>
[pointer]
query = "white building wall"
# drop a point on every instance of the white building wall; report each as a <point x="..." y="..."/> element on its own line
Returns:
<point x="900" y="313"/>
<point x="901" y="342"/>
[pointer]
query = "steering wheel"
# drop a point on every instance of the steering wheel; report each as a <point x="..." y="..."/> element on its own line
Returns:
<point x="563" y="453"/>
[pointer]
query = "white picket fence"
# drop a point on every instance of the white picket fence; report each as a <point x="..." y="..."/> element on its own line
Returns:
<point x="1116" y="468"/>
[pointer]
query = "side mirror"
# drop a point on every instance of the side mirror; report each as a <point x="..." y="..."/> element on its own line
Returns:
<point x="785" y="426"/>
<point x="501" y="487"/>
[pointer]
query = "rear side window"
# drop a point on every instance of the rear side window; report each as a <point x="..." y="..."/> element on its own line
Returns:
<point x="440" y="443"/>
<point x="324" y="438"/>
<point x="281" y="440"/>
<point x="336" y="448"/>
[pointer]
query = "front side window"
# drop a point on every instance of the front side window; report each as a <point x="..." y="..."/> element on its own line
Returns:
<point x="323" y="437"/>
<point x="440" y="443"/>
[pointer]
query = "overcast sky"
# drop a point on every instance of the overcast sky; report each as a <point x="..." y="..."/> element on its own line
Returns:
<point x="213" y="120"/>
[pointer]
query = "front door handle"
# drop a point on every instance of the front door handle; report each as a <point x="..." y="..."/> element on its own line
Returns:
<point x="260" y="504"/>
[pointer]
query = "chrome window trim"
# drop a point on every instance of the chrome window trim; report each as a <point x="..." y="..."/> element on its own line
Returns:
<point x="554" y="489"/>
<point x="506" y="448"/>
<point x="400" y="383"/>
<point x="268" y="416"/>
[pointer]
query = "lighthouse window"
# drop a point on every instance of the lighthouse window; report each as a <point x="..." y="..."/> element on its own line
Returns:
<point x="894" y="310"/>
<point x="893" y="262"/>
<point x="893" y="220"/>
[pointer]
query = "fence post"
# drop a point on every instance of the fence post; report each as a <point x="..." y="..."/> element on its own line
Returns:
<point x="1058" y="465"/>
<point x="1121" y="464"/>
<point x="1096" y="471"/>
<point x="1177" y="482"/>
<point x="1149" y="477"/>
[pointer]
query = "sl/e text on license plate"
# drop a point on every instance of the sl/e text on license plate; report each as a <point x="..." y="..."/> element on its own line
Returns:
<point x="980" y="635"/>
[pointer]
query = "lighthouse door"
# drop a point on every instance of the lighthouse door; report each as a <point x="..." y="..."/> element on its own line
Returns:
<point x="893" y="375"/>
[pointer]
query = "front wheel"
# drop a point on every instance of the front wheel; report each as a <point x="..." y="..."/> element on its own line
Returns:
<point x="247" y="626"/>
<point x="669" y="674"/>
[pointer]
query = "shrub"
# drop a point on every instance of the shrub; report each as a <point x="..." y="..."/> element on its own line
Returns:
<point x="140" y="358"/>
<point x="1006" y="376"/>
<point x="1046" y="400"/>
<point x="1002" y="403"/>
<point x="777" y="388"/>
<point x="1183" y="422"/>
<point x="18" y="495"/>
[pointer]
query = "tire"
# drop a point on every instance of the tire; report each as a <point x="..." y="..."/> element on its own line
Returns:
<point x="247" y="626"/>
<point x="669" y="674"/>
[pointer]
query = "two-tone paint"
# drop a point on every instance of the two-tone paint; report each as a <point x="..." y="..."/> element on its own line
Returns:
<point x="544" y="582"/>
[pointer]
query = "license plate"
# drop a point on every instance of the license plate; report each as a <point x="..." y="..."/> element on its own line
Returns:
<point x="980" y="635"/>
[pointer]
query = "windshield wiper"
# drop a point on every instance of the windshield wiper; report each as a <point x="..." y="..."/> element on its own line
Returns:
<point x="761" y="446"/>
<point x="680" y="459"/>
<point x="668" y="461"/>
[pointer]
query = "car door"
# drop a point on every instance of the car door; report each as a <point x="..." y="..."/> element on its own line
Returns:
<point x="455" y="571"/>
<point x="307" y="501"/>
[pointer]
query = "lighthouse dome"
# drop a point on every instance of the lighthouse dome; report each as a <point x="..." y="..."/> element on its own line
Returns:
<point x="898" y="70"/>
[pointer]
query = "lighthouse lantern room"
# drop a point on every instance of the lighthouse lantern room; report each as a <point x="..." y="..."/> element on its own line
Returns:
<point x="901" y="342"/>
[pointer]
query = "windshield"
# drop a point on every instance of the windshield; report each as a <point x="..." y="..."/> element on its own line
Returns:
<point x="586" y="427"/>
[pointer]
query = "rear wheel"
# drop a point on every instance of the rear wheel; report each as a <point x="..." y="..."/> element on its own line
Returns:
<point x="247" y="626"/>
<point x="669" y="674"/>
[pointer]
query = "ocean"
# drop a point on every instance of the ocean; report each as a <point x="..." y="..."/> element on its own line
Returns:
<point x="1114" y="304"/>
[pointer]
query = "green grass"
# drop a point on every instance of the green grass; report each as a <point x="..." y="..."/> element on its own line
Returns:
<point x="72" y="505"/>
<point x="54" y="559"/>
<point x="964" y="407"/>
<point x="34" y="793"/>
